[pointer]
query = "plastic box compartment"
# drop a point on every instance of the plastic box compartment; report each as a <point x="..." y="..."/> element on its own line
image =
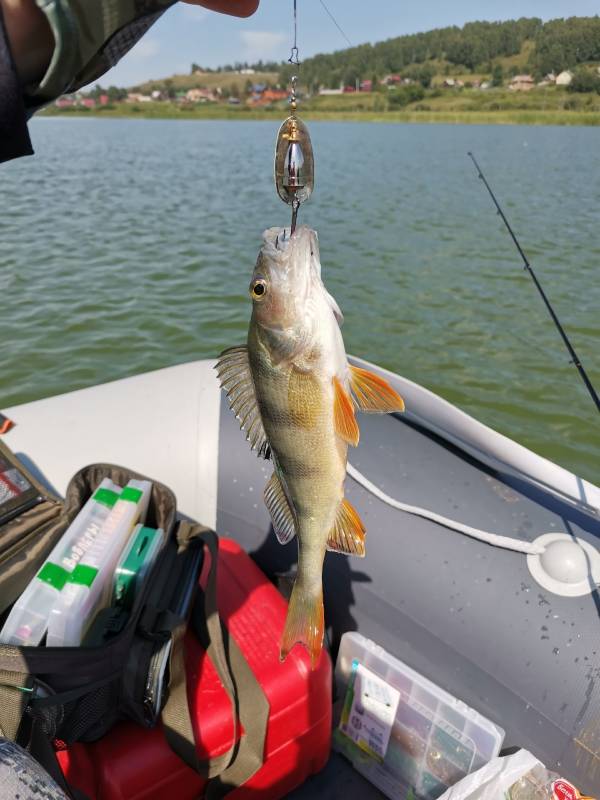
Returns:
<point x="132" y="763"/>
<point x="435" y="738"/>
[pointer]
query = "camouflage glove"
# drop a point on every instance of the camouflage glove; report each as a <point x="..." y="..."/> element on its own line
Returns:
<point x="91" y="36"/>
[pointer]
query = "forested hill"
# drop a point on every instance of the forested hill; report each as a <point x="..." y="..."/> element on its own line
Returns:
<point x="556" y="45"/>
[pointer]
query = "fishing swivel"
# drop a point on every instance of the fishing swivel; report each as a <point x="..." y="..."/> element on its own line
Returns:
<point x="294" y="162"/>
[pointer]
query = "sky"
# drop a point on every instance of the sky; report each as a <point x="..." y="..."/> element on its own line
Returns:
<point x="187" y="34"/>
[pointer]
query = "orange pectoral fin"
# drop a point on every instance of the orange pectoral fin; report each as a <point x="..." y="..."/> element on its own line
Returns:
<point x="373" y="393"/>
<point x="344" y="419"/>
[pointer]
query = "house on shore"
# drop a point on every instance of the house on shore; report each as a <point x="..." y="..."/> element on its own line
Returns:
<point x="564" y="78"/>
<point x="326" y="92"/>
<point x="522" y="83"/>
<point x="453" y="83"/>
<point x="200" y="96"/>
<point x="137" y="97"/>
<point x="268" y="96"/>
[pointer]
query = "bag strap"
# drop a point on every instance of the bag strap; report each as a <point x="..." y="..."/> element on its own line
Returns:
<point x="15" y="693"/>
<point x="42" y="750"/>
<point x="248" y="701"/>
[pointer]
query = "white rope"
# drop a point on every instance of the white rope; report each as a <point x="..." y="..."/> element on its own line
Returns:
<point x="494" y="539"/>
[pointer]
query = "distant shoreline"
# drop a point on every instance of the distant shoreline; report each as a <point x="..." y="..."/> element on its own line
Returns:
<point x="500" y="117"/>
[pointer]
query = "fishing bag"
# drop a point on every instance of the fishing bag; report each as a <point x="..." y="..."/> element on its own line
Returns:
<point x="77" y="693"/>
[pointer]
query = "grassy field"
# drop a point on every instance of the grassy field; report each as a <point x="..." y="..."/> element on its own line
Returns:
<point x="207" y="80"/>
<point x="551" y="105"/>
<point x="545" y="106"/>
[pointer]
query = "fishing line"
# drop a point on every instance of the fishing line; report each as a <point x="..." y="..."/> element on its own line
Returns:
<point x="494" y="539"/>
<point x="293" y="59"/>
<point x="337" y="25"/>
<point x="574" y="357"/>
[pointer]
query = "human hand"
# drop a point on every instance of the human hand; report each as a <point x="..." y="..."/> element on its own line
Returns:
<point x="237" y="8"/>
<point x="30" y="37"/>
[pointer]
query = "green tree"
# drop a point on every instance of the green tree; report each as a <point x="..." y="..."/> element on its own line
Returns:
<point x="423" y="73"/>
<point x="170" y="89"/>
<point x="584" y="81"/>
<point x="497" y="75"/>
<point x="563" y="43"/>
<point x="477" y="43"/>
<point x="398" y="98"/>
<point x="96" y="91"/>
<point x="115" y="94"/>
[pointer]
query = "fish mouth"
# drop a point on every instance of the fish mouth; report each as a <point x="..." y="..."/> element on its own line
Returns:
<point x="283" y="239"/>
<point x="283" y="246"/>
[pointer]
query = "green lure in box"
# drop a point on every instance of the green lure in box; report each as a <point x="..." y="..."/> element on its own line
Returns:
<point x="135" y="563"/>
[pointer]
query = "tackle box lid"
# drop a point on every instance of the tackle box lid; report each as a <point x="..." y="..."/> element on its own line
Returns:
<point x="420" y="739"/>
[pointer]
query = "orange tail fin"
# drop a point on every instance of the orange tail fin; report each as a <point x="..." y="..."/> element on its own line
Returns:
<point x="304" y="624"/>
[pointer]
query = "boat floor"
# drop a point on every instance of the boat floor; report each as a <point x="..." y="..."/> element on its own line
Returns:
<point x="466" y="615"/>
<point x="338" y="781"/>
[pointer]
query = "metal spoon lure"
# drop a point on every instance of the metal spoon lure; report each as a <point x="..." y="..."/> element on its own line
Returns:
<point x="294" y="161"/>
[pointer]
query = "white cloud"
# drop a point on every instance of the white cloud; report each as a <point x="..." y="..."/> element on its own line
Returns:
<point x="146" y="48"/>
<point x="257" y="45"/>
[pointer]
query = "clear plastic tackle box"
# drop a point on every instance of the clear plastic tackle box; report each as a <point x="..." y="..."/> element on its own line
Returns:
<point x="406" y="735"/>
<point x="90" y="590"/>
<point x="28" y="621"/>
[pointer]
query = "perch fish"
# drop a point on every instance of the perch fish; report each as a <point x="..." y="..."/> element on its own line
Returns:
<point x="295" y="395"/>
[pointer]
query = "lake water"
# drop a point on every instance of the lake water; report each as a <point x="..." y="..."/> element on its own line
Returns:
<point x="127" y="245"/>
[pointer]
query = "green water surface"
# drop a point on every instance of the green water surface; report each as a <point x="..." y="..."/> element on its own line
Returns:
<point x="127" y="245"/>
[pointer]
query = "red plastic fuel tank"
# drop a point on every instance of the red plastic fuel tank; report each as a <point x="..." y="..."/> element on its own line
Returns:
<point x="132" y="763"/>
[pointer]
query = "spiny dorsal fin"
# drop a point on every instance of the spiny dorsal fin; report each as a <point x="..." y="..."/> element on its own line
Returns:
<point x="348" y="532"/>
<point x="373" y="393"/>
<point x="343" y="414"/>
<point x="279" y="509"/>
<point x="235" y="379"/>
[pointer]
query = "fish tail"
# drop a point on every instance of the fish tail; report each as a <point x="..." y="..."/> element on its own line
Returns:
<point x="305" y="622"/>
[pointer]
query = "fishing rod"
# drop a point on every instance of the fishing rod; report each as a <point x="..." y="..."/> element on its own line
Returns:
<point x="574" y="357"/>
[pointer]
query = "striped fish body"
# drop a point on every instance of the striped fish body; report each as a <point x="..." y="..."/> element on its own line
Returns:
<point x="296" y="400"/>
<point x="290" y="387"/>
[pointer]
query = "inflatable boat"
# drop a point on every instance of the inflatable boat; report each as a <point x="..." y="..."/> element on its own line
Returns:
<point x="483" y="558"/>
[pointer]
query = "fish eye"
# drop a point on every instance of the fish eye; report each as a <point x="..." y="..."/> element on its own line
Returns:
<point x="258" y="289"/>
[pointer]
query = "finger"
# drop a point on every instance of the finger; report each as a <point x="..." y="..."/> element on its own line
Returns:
<point x="236" y="8"/>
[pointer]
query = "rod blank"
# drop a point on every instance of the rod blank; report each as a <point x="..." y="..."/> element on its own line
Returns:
<point x="574" y="357"/>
